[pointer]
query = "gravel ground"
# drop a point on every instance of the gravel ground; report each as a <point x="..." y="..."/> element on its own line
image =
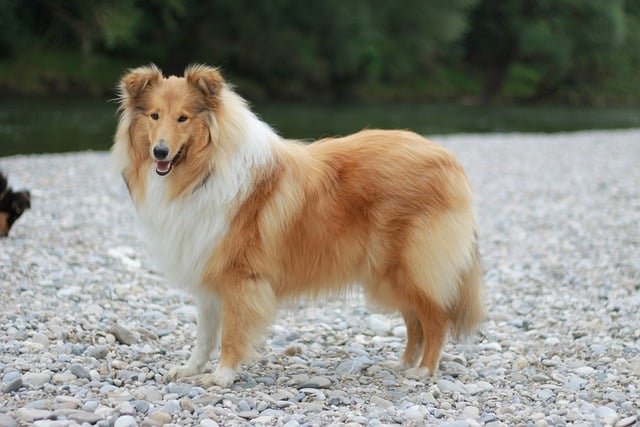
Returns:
<point x="88" y="328"/>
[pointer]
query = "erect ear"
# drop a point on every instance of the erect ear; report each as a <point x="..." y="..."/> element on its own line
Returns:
<point x="207" y="80"/>
<point x="137" y="80"/>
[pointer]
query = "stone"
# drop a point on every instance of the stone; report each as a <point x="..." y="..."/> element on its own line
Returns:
<point x="98" y="351"/>
<point x="584" y="371"/>
<point x="12" y="385"/>
<point x="125" y="408"/>
<point x="471" y="412"/>
<point x="123" y="335"/>
<point x="160" y="417"/>
<point x="41" y="339"/>
<point x="315" y="382"/>
<point x="36" y="379"/>
<point x="383" y="403"/>
<point x="607" y="414"/>
<point x="31" y="415"/>
<point x="379" y="324"/>
<point x="624" y="422"/>
<point x="7" y="421"/>
<point x="79" y="371"/>
<point x="141" y="405"/>
<point x="153" y="395"/>
<point x="353" y="366"/>
<point x="455" y="424"/>
<point x="416" y="412"/>
<point x="243" y="405"/>
<point x="249" y="415"/>
<point x="544" y="394"/>
<point x="452" y="387"/>
<point x="84" y="417"/>
<point x="125" y="421"/>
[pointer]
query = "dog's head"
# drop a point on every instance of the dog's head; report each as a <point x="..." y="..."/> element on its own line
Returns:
<point x="12" y="205"/>
<point x="171" y="117"/>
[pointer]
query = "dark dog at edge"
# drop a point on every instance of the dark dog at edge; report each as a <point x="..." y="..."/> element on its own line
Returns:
<point x="12" y="205"/>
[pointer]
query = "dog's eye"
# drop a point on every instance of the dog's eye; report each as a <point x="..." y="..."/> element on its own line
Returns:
<point x="154" y="116"/>
<point x="182" y="118"/>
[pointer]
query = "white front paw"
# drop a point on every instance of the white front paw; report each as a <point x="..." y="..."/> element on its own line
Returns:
<point x="223" y="376"/>
<point x="419" y="373"/>
<point x="181" y="372"/>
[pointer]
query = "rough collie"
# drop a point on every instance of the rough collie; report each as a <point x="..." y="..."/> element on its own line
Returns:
<point x="243" y="218"/>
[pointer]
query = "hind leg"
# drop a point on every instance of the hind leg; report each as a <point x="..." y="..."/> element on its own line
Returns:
<point x="434" y="323"/>
<point x="413" y="352"/>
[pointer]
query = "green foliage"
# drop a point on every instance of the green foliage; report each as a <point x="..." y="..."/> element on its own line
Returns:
<point x="565" y="48"/>
<point x="509" y="50"/>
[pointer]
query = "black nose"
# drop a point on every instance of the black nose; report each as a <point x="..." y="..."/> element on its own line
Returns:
<point x="161" y="151"/>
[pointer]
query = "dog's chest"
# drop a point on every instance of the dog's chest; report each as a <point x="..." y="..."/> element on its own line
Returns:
<point x="182" y="234"/>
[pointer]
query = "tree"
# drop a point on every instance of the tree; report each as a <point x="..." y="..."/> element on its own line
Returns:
<point x="561" y="40"/>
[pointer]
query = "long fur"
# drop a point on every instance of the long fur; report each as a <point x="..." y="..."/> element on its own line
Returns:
<point x="245" y="218"/>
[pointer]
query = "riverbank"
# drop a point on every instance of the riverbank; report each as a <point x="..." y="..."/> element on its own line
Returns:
<point x="88" y="328"/>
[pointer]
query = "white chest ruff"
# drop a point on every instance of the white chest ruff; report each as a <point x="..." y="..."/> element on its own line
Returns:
<point x="182" y="234"/>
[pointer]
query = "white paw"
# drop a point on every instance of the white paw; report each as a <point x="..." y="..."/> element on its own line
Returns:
<point x="181" y="371"/>
<point x="222" y="376"/>
<point x="403" y="365"/>
<point x="419" y="373"/>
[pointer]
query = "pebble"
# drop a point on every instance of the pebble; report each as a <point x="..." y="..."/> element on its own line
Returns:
<point x="123" y="335"/>
<point x="416" y="412"/>
<point x="84" y="417"/>
<point x="160" y="417"/>
<point x="153" y="395"/>
<point x="79" y="371"/>
<point x="584" y="370"/>
<point x="452" y="386"/>
<point x="353" y="366"/>
<point x="607" y="414"/>
<point x="30" y="415"/>
<point x="315" y="382"/>
<point x="36" y="379"/>
<point x="248" y="414"/>
<point x="379" y="324"/>
<point x="12" y="385"/>
<point x="92" y="327"/>
<point x="7" y="421"/>
<point x="125" y="421"/>
<point x="383" y="403"/>
<point x="99" y="351"/>
<point x="625" y="422"/>
<point x="471" y="412"/>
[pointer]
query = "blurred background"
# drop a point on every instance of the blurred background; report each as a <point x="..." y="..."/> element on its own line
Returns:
<point x="326" y="67"/>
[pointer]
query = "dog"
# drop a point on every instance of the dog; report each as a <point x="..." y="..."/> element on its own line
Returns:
<point x="12" y="205"/>
<point x="243" y="219"/>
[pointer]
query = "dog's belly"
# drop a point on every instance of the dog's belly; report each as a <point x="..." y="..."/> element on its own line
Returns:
<point x="181" y="235"/>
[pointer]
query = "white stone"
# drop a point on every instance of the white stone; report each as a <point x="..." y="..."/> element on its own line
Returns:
<point x="125" y="421"/>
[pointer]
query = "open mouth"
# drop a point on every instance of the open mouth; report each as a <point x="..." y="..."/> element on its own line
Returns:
<point x="164" y="167"/>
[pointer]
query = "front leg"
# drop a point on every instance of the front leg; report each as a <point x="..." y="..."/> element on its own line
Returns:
<point x="208" y="331"/>
<point x="247" y="309"/>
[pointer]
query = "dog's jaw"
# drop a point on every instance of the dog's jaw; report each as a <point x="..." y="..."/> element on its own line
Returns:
<point x="164" y="167"/>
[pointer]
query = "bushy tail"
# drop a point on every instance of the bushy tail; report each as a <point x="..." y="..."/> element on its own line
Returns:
<point x="469" y="310"/>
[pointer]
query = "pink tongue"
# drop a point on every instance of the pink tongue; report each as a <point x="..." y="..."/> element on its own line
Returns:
<point x="163" y="166"/>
